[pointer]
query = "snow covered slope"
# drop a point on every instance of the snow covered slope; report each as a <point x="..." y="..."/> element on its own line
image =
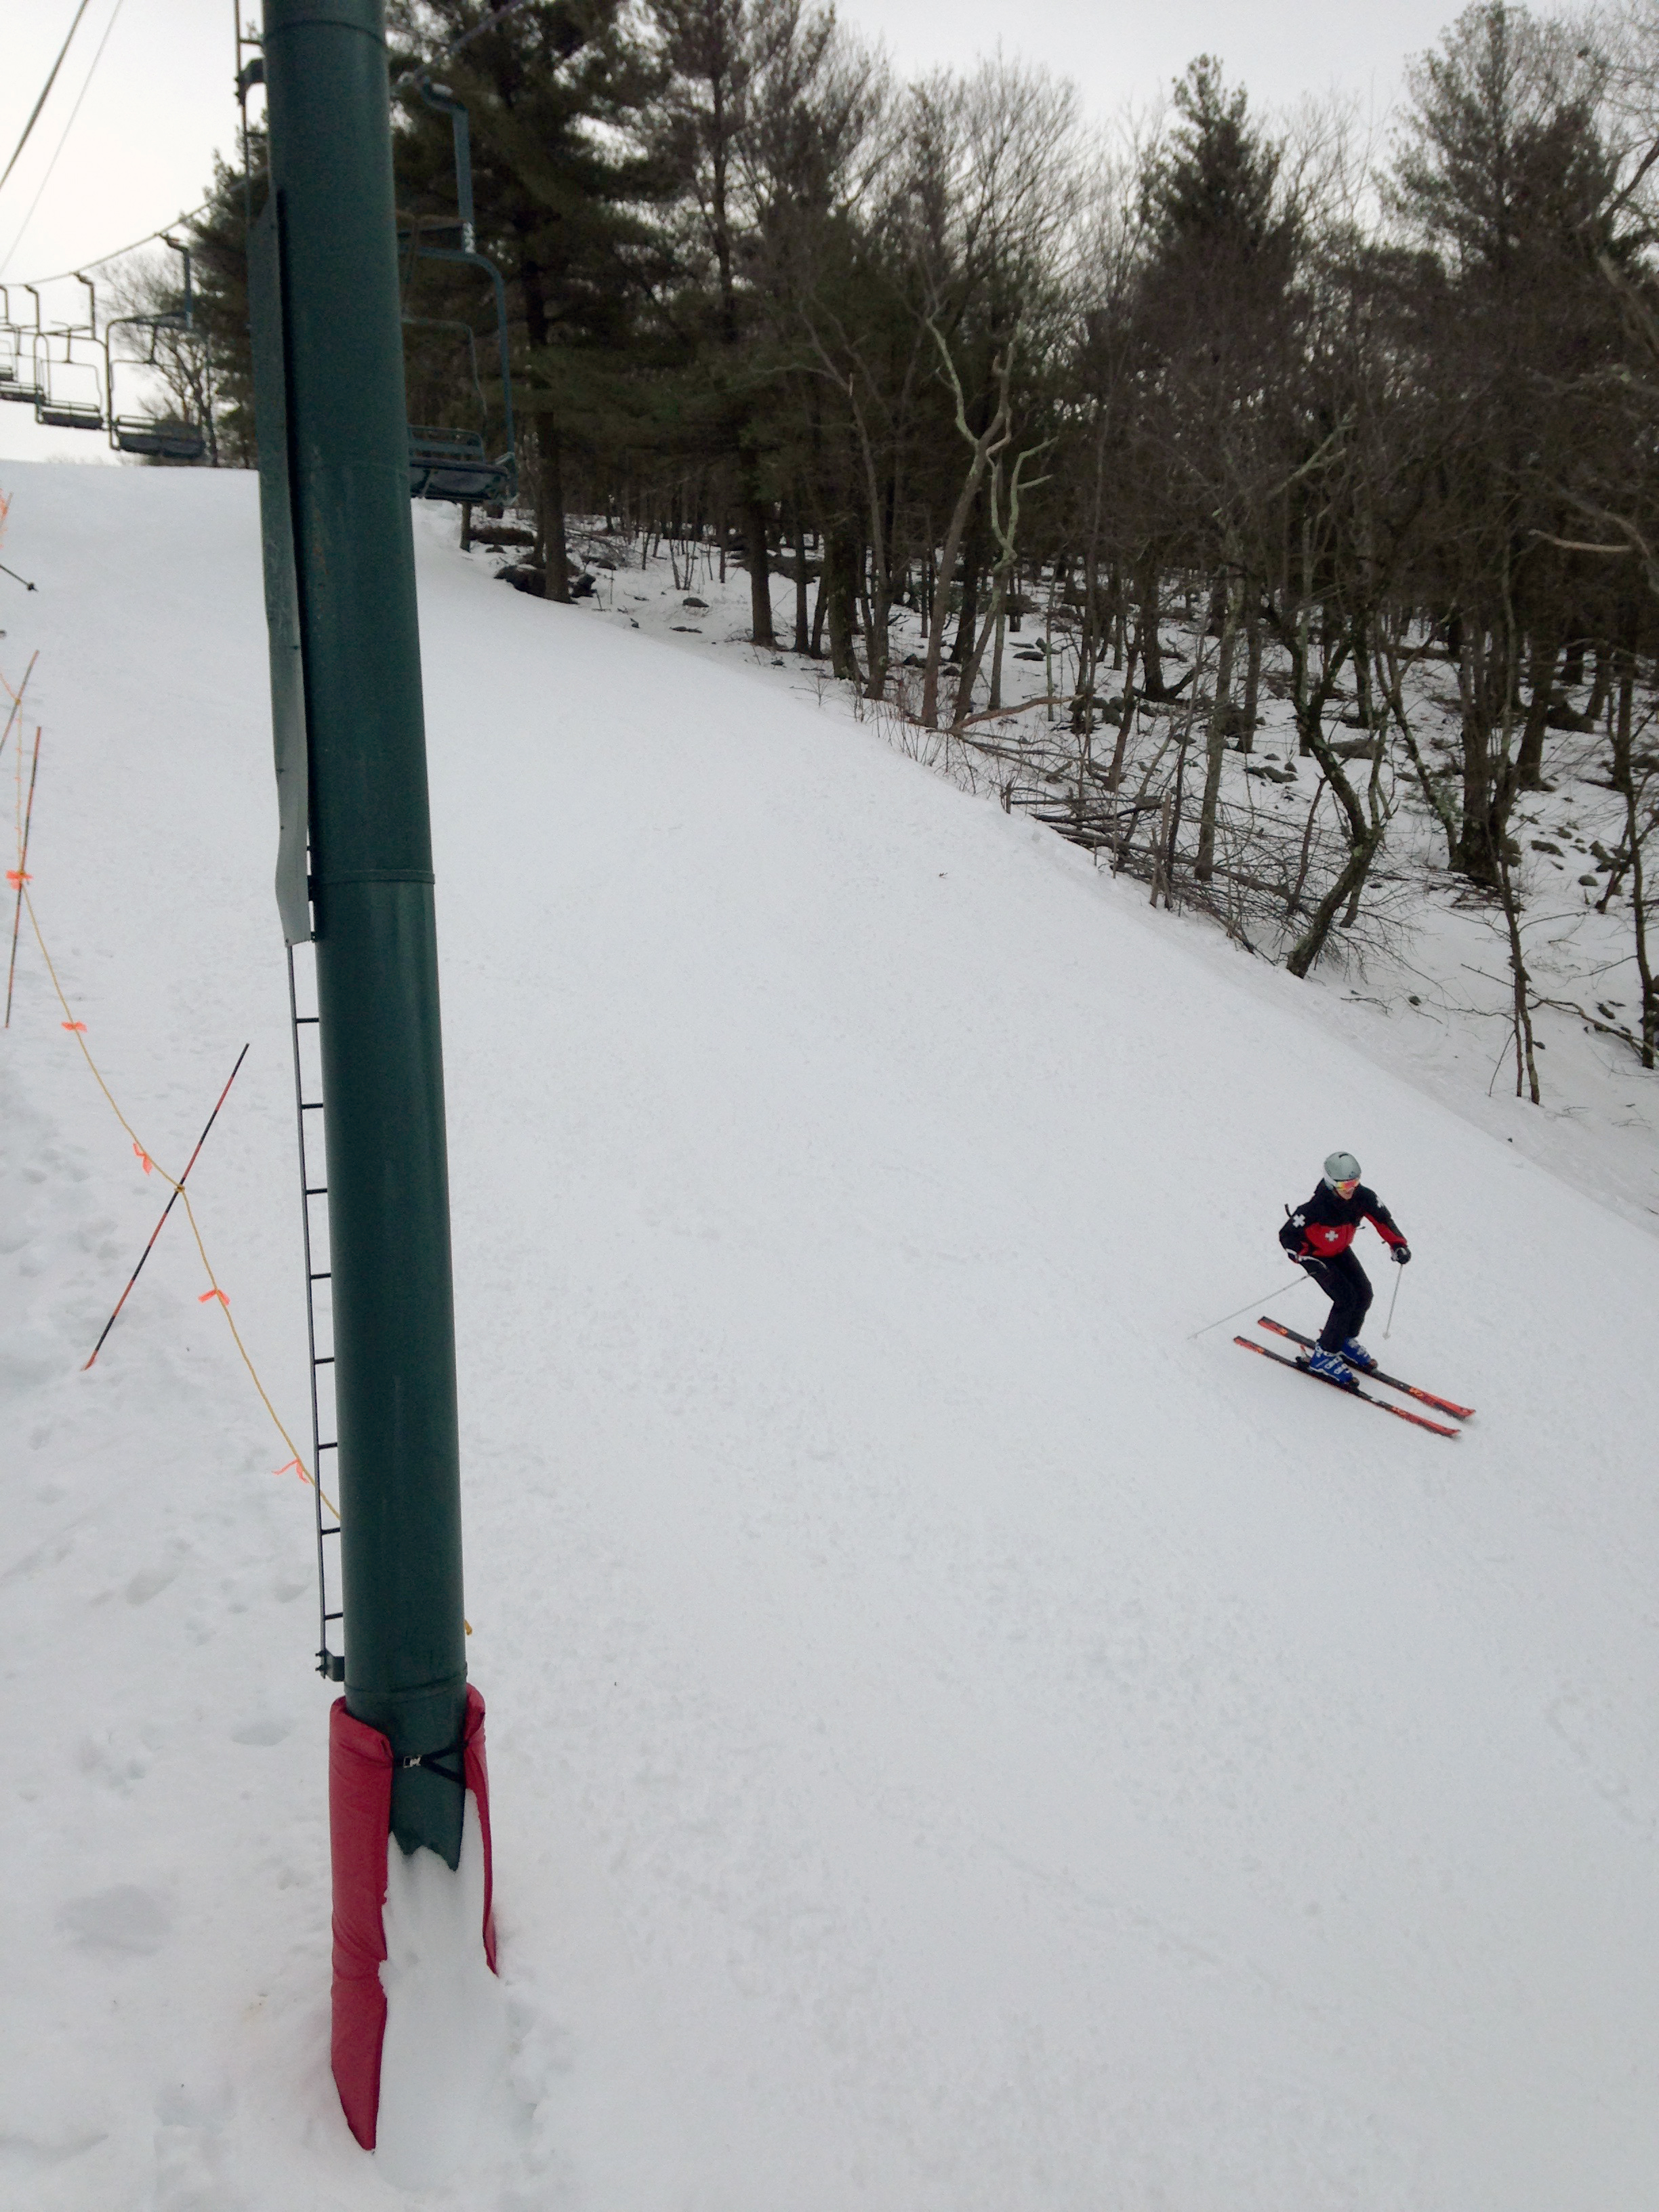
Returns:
<point x="958" y="1743"/>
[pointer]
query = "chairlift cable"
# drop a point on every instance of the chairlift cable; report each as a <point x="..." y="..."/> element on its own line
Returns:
<point x="189" y="214"/>
<point x="34" y="113"/>
<point x="424" y="70"/>
<point x="64" y="139"/>
<point x="149" y="239"/>
<point x="479" y="29"/>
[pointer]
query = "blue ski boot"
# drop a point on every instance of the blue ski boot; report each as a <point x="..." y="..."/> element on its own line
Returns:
<point x="1357" y="1356"/>
<point x="1332" y="1367"/>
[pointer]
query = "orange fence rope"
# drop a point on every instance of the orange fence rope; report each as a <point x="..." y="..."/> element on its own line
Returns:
<point x="215" y="1293"/>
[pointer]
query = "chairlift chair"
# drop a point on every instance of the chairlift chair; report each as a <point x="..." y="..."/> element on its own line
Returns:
<point x="152" y="437"/>
<point x="55" y="405"/>
<point x="58" y="382"/>
<point x="448" y="464"/>
<point x="452" y="463"/>
<point x="16" y="355"/>
<point x="11" y="349"/>
<point x="158" y="437"/>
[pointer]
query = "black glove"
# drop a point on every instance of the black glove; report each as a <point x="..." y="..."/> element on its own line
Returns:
<point x="1401" y="1253"/>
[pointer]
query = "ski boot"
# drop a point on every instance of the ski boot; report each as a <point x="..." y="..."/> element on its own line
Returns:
<point x="1331" y="1367"/>
<point x="1357" y="1356"/>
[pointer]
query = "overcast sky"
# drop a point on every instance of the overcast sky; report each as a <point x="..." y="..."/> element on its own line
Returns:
<point x="161" y="98"/>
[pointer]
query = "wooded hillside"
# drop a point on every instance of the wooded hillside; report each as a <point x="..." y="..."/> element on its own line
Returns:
<point x="936" y="346"/>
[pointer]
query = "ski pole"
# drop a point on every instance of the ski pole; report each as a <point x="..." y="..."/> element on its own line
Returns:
<point x="1388" y="1324"/>
<point x="1260" y="1298"/>
<point x="167" y="1209"/>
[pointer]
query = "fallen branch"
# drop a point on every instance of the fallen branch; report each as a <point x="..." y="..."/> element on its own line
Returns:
<point x="1607" y="1028"/>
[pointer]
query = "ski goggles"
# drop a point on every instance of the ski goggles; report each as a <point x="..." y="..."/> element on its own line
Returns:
<point x="1347" y="1187"/>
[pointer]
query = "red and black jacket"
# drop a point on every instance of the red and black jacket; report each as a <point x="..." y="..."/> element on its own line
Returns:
<point x="1324" y="1225"/>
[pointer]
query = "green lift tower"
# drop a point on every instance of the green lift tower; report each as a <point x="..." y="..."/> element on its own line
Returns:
<point x="356" y="874"/>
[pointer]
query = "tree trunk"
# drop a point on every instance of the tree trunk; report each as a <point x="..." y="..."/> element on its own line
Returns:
<point x="1644" y="967"/>
<point x="1541" y="676"/>
<point x="841" y="584"/>
<point x="756" y="519"/>
<point x="550" y="552"/>
<point x="1526" y="1065"/>
<point x="1091" y="638"/>
<point x="1177" y="797"/>
<point x="1477" y="852"/>
<point x="803" y="636"/>
<point x="1595" y="705"/>
<point x="1434" y="792"/>
<point x="1125" y="722"/>
<point x="967" y="620"/>
<point x="1624" y="719"/>
<point x="1216" y="744"/>
<point x="990" y="440"/>
<point x="1347" y="887"/>
<point x="1147" y="651"/>
<point x="1252" y="666"/>
<point x="968" y="675"/>
<point x="876" y="603"/>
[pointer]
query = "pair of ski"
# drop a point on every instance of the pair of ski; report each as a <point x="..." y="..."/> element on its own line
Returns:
<point x="1374" y="1375"/>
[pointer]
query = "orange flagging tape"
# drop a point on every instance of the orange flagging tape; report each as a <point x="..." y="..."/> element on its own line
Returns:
<point x="18" y="877"/>
<point x="149" y="1160"/>
<point x="300" y="1472"/>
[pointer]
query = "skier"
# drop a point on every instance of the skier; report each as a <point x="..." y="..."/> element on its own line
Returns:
<point x="1319" y="1234"/>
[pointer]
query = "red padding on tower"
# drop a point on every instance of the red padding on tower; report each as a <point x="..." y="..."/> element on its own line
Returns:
<point x="477" y="1781"/>
<point x="359" y="1825"/>
<point x="359" y="1831"/>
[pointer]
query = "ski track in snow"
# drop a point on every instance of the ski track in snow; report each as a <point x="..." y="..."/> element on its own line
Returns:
<point x="956" y="1743"/>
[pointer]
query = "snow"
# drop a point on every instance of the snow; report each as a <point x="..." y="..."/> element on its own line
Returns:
<point x="445" y="2045"/>
<point x="1422" y="987"/>
<point x="957" y="1740"/>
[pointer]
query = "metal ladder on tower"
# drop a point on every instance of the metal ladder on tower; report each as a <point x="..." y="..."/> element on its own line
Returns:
<point x="308" y="1075"/>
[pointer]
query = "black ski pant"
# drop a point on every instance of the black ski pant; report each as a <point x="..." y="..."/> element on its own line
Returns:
<point x="1348" y="1287"/>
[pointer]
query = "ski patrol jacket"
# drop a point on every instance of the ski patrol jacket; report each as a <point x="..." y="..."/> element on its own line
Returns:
<point x="1325" y="1224"/>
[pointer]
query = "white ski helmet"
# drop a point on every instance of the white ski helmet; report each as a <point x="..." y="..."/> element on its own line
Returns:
<point x="1341" y="1166"/>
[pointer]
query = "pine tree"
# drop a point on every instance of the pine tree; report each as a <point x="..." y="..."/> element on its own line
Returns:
<point x="218" y="243"/>
<point x="1504" y="182"/>
<point x="564" y="197"/>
